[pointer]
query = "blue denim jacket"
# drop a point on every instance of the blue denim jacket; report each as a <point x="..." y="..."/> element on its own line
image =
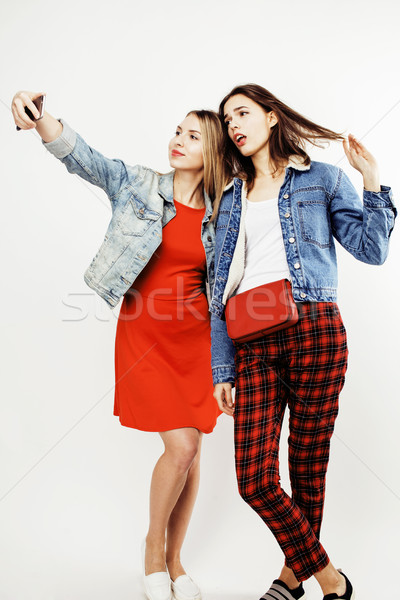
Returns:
<point x="142" y="203"/>
<point x="316" y="203"/>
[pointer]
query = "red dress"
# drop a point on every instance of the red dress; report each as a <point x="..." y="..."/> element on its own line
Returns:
<point x="162" y="346"/>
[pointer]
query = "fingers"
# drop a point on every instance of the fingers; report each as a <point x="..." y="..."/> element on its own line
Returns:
<point x="21" y="101"/>
<point x="29" y="104"/>
<point x="355" y="141"/>
<point x="358" y="147"/>
<point x="227" y="400"/>
<point x="355" y="144"/>
<point x="362" y="160"/>
<point x="223" y="396"/>
<point x="354" y="151"/>
<point x="20" y="117"/>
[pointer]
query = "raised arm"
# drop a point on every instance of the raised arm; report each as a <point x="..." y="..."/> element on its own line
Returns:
<point x="69" y="147"/>
<point x="363" y="228"/>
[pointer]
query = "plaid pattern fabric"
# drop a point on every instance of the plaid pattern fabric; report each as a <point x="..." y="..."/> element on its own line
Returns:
<point x="302" y="367"/>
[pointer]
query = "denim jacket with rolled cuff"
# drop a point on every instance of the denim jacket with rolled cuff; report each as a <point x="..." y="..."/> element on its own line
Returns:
<point x="316" y="204"/>
<point x="142" y="204"/>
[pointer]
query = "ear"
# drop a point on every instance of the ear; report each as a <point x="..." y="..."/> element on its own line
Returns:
<point x="272" y="118"/>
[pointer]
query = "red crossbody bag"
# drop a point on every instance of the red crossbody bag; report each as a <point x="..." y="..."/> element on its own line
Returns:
<point x="261" y="311"/>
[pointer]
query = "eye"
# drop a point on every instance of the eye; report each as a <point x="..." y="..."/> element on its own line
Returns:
<point x="243" y="112"/>
<point x="194" y="137"/>
<point x="227" y="122"/>
<point x="177" y="133"/>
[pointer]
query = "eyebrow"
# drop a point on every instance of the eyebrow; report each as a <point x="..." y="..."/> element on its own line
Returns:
<point x="190" y="130"/>
<point x="236" y="110"/>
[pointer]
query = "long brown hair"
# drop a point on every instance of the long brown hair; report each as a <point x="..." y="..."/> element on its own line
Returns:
<point x="212" y="135"/>
<point x="289" y="136"/>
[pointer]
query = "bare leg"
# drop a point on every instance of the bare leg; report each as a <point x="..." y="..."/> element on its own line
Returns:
<point x="169" y="479"/>
<point x="289" y="578"/>
<point x="330" y="580"/>
<point x="180" y="518"/>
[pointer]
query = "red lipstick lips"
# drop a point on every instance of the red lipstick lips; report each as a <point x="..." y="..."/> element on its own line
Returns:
<point x="176" y="153"/>
<point x="240" y="139"/>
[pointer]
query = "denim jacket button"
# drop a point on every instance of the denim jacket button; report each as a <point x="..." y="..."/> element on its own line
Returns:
<point x="286" y="196"/>
<point x="302" y="295"/>
<point x="296" y="265"/>
<point x="209" y="239"/>
<point x="287" y="215"/>
<point x="291" y="240"/>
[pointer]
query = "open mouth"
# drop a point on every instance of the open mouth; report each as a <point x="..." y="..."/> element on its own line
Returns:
<point x="240" y="139"/>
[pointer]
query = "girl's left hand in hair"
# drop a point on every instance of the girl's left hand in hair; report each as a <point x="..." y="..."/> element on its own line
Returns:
<point x="362" y="160"/>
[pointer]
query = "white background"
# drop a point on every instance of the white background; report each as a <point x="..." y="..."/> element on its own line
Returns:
<point x="74" y="483"/>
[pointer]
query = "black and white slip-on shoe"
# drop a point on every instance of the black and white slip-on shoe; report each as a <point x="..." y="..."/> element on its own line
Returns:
<point x="348" y="595"/>
<point x="280" y="591"/>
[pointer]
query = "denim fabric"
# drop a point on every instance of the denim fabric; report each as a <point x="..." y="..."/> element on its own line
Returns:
<point x="315" y="206"/>
<point x="142" y="204"/>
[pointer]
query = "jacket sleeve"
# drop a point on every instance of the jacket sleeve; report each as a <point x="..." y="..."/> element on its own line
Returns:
<point x="222" y="352"/>
<point x="81" y="159"/>
<point x="362" y="228"/>
<point x="222" y="347"/>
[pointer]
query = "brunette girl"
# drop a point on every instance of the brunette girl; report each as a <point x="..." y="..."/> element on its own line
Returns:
<point x="158" y="254"/>
<point x="278" y="220"/>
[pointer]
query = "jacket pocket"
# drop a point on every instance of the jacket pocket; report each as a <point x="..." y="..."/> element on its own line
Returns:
<point x="315" y="222"/>
<point x="136" y="217"/>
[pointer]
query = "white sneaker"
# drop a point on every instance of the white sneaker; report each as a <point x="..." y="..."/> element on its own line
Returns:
<point x="184" y="588"/>
<point x="157" y="586"/>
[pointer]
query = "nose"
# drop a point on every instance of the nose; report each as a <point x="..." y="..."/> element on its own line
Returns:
<point x="232" y="126"/>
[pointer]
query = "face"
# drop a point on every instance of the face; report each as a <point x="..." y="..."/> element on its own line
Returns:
<point x="186" y="148"/>
<point x="249" y="126"/>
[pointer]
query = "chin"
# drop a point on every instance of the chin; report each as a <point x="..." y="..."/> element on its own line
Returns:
<point x="174" y="162"/>
<point x="246" y="151"/>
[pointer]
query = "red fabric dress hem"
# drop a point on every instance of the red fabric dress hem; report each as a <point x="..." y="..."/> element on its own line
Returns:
<point x="164" y="428"/>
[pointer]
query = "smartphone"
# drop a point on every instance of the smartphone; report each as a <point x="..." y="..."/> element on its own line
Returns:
<point x="39" y="102"/>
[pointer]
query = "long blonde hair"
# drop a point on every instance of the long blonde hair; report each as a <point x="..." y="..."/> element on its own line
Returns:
<point x="215" y="172"/>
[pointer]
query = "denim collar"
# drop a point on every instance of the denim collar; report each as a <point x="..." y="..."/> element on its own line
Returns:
<point x="166" y="191"/>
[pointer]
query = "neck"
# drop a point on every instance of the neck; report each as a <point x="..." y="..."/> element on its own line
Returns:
<point x="188" y="188"/>
<point x="263" y="165"/>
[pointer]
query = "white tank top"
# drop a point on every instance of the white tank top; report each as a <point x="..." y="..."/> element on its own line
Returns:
<point x="265" y="255"/>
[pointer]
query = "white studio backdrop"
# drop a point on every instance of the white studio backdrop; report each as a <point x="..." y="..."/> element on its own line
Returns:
<point x="74" y="483"/>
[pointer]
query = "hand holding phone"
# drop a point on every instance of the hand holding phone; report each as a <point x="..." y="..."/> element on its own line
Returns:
<point x="39" y="102"/>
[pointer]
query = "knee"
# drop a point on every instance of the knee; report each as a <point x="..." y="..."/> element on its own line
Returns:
<point x="259" y="493"/>
<point x="183" y="455"/>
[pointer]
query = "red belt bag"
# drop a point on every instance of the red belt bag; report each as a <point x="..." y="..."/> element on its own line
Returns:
<point x="261" y="311"/>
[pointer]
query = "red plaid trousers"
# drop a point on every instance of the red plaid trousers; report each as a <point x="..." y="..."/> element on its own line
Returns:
<point x="302" y="367"/>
